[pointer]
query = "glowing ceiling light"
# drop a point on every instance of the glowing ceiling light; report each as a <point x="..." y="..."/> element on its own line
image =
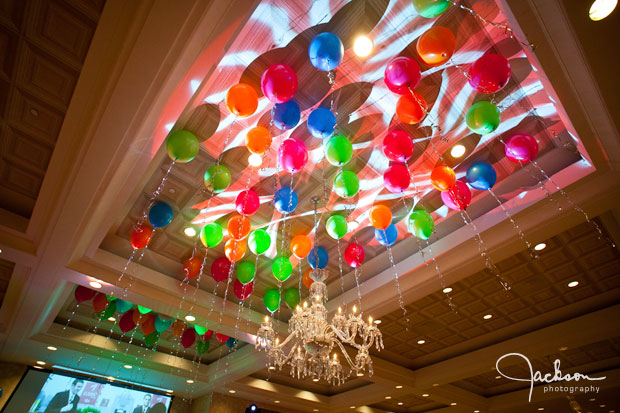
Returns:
<point x="425" y="395"/>
<point x="128" y="367"/>
<point x="190" y="381"/>
<point x="601" y="9"/>
<point x="190" y="318"/>
<point x="488" y="316"/>
<point x="41" y="363"/>
<point x="232" y="391"/>
<point x="573" y="284"/>
<point x="190" y="231"/>
<point x="400" y="386"/>
<point x="255" y="160"/>
<point x="352" y="225"/>
<point x="38" y="367"/>
<point x="95" y="284"/>
<point x="540" y="247"/>
<point x="457" y="151"/>
<point x="276" y="401"/>
<point x="51" y="348"/>
<point x="112" y="319"/>
<point x="421" y="341"/>
<point x="388" y="397"/>
<point x="400" y="403"/>
<point x="363" y="46"/>
<point x="447" y="290"/>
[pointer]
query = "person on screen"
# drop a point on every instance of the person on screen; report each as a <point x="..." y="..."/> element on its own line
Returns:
<point x="145" y="405"/>
<point x="66" y="401"/>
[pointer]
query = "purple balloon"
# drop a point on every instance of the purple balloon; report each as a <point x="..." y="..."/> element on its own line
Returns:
<point x="521" y="148"/>
<point x="293" y="155"/>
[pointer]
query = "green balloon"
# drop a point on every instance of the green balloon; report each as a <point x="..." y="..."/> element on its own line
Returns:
<point x="336" y="226"/>
<point x="108" y="312"/>
<point x="338" y="150"/>
<point x="259" y="241"/>
<point x="272" y="299"/>
<point x="431" y="8"/>
<point x="202" y="346"/>
<point x="200" y="329"/>
<point x="211" y="235"/>
<point x="151" y="339"/>
<point x="245" y="272"/>
<point x="144" y="310"/>
<point x="282" y="268"/>
<point x="182" y="146"/>
<point x="291" y="297"/>
<point x="346" y="184"/>
<point x="420" y="224"/>
<point x="217" y="178"/>
<point x="483" y="117"/>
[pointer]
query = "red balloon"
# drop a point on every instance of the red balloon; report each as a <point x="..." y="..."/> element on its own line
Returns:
<point x="247" y="202"/>
<point x="402" y="75"/>
<point x="222" y="338"/>
<point x="396" y="178"/>
<point x="521" y="148"/>
<point x="148" y="324"/>
<point x="293" y="155"/>
<point x="411" y="109"/>
<point x="126" y="322"/>
<point x="220" y="269"/>
<point x="140" y="237"/>
<point x="243" y="292"/>
<point x="100" y="302"/>
<point x="279" y="83"/>
<point x="354" y="255"/>
<point x="83" y="294"/>
<point x="188" y="337"/>
<point x="489" y="74"/>
<point x="207" y="336"/>
<point x="458" y="197"/>
<point x="398" y="146"/>
<point x="191" y="267"/>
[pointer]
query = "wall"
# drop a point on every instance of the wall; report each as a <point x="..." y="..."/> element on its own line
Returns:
<point x="10" y="375"/>
<point x="221" y="403"/>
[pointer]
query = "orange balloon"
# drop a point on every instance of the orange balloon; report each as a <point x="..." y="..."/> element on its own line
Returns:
<point x="436" y="46"/>
<point x="136" y="316"/>
<point x="443" y="178"/>
<point x="235" y="249"/>
<point x="380" y="216"/>
<point x="258" y="140"/>
<point x="306" y="278"/>
<point x="238" y="227"/>
<point x="178" y="327"/>
<point x="148" y="324"/>
<point x="242" y="100"/>
<point x="411" y="109"/>
<point x="301" y="246"/>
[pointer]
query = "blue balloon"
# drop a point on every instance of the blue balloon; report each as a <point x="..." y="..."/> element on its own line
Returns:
<point x="387" y="237"/>
<point x="286" y="115"/>
<point x="285" y="200"/>
<point x="321" y="123"/>
<point x="481" y="176"/>
<point x="326" y="51"/>
<point x="317" y="257"/>
<point x="160" y="215"/>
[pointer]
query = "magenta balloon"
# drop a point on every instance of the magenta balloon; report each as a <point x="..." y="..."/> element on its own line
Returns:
<point x="398" y="146"/>
<point x="354" y="255"/>
<point x="402" y="74"/>
<point x="247" y="202"/>
<point x="293" y="155"/>
<point x="521" y="148"/>
<point x="243" y="292"/>
<point x="396" y="178"/>
<point x="458" y="197"/>
<point x="489" y="74"/>
<point x="279" y="83"/>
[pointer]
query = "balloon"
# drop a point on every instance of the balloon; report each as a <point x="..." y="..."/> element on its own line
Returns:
<point x="443" y="178"/>
<point x="221" y="338"/>
<point x="489" y="74"/>
<point x="281" y="268"/>
<point x="396" y="178"/>
<point x="217" y="178"/>
<point x="211" y="235"/>
<point x="481" y="176"/>
<point x="192" y="267"/>
<point x="431" y="8"/>
<point x="436" y="45"/>
<point x="326" y="51"/>
<point x="388" y="236"/>
<point x="148" y="325"/>
<point x="242" y="100"/>
<point x="354" y="255"/>
<point x="411" y="109"/>
<point x="321" y="123"/>
<point x="300" y="246"/>
<point x="286" y="115"/>
<point x="247" y="202"/>
<point x="200" y="330"/>
<point x="279" y="83"/>
<point x="231" y="342"/>
<point x="397" y="146"/>
<point x="220" y="268"/>
<point x="306" y="278"/>
<point x="122" y="305"/>
<point x="285" y="200"/>
<point x="483" y="117"/>
<point x="259" y="241"/>
<point x="338" y="150"/>
<point x="238" y="227"/>
<point x="188" y="338"/>
<point x="140" y="237"/>
<point x="144" y="310"/>
<point x="109" y="311"/>
<point x="246" y="272"/>
<point x="162" y="324"/>
<point x="380" y="216"/>
<point x="83" y="294"/>
<point x="137" y="316"/>
<point x="178" y="327"/>
<point x="151" y="339"/>
<point x="126" y="323"/>
<point x="258" y="140"/>
<point x="182" y="146"/>
<point x="458" y="197"/>
<point x="292" y="298"/>
<point x="346" y="184"/>
<point x="420" y="224"/>
<point x="207" y="336"/>
<point x="202" y="346"/>
<point x="243" y="291"/>
<point x="235" y="249"/>
<point x="293" y="155"/>
<point x="272" y="299"/>
<point x="100" y="302"/>
<point x="317" y="257"/>
<point x="402" y="75"/>
<point x="336" y="226"/>
<point x="521" y="148"/>
<point x="160" y="214"/>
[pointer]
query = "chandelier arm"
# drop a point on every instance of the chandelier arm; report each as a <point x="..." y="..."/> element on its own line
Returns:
<point x="346" y="356"/>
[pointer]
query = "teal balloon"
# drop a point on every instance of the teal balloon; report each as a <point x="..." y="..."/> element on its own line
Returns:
<point x="162" y="324"/>
<point x="292" y="298"/>
<point x="151" y="339"/>
<point x="217" y="178"/>
<point x="338" y="150"/>
<point x="282" y="268"/>
<point x="200" y="329"/>
<point x="346" y="184"/>
<point x="259" y="241"/>
<point x="144" y="310"/>
<point x="272" y="299"/>
<point x="483" y="117"/>
<point x="336" y="226"/>
<point x="420" y="224"/>
<point x="182" y="146"/>
<point x="431" y="8"/>
<point x="123" y="306"/>
<point x="246" y="272"/>
<point x="202" y="346"/>
<point x="211" y="235"/>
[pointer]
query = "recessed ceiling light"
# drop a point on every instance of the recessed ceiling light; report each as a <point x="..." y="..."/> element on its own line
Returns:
<point x="189" y="381"/>
<point x="541" y="409"/>
<point x="95" y="284"/>
<point x="563" y="348"/>
<point x="112" y="319"/>
<point x="51" y="348"/>
<point x="421" y="341"/>
<point x="255" y="160"/>
<point x="457" y="151"/>
<point x="400" y="403"/>
<point x="476" y="411"/>
<point x="232" y="391"/>
<point x="0" y="251"/>
<point x="38" y="367"/>
<point x="601" y="9"/>
<point x="315" y="379"/>
<point x="388" y="397"/>
<point x="272" y="367"/>
<point x="190" y="318"/>
<point x="498" y="377"/>
<point x="377" y="321"/>
<point x="363" y="46"/>
<point x="128" y="366"/>
<point x="435" y="384"/>
<point x="190" y="231"/>
<point x="540" y="247"/>
<point x="110" y="378"/>
<point x="425" y="395"/>
<point x="603" y="405"/>
<point x="400" y="386"/>
<point x="447" y="290"/>
<point x="172" y="190"/>
<point x="351" y="407"/>
<point x="453" y="404"/>
<point x="276" y="401"/>
<point x="315" y="410"/>
<point x="34" y="112"/>
<point x="488" y="317"/>
<point x="592" y="400"/>
<point x="573" y="284"/>
<point x="41" y="363"/>
<point x="360" y="374"/>
<point x="169" y="391"/>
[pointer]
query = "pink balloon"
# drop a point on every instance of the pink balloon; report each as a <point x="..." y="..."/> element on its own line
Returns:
<point x="458" y="197"/>
<point x="398" y="146"/>
<point x="293" y="155"/>
<point x="489" y="74"/>
<point x="354" y="255"/>
<point x="521" y="148"/>
<point x="220" y="269"/>
<point x="279" y="83"/>
<point x="396" y="178"/>
<point x="243" y="292"/>
<point x="188" y="337"/>
<point x="247" y="202"/>
<point x="402" y="75"/>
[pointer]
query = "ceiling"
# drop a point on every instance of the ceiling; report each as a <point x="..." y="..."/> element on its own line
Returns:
<point x="156" y="67"/>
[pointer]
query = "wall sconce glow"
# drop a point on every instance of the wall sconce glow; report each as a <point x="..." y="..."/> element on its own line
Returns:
<point x="457" y="151"/>
<point x="190" y="231"/>
<point x="255" y="160"/>
<point x="95" y="284"/>
<point x="363" y="46"/>
<point x="540" y="247"/>
<point x="601" y="9"/>
<point x="190" y="318"/>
